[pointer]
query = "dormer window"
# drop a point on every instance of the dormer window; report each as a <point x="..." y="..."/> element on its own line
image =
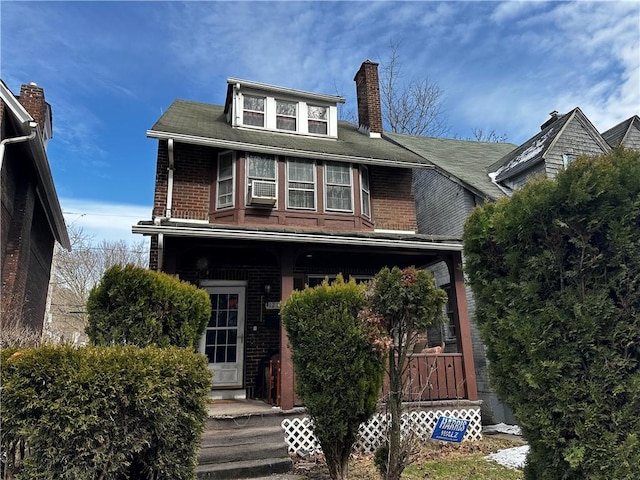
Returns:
<point x="286" y="115"/>
<point x="317" y="119"/>
<point x="253" y="111"/>
<point x="284" y="110"/>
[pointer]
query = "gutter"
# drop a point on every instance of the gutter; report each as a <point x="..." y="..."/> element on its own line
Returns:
<point x="24" y="138"/>
<point x="252" y="147"/>
<point x="262" y="235"/>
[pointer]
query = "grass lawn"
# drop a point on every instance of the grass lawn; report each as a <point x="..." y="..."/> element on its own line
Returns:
<point x="434" y="461"/>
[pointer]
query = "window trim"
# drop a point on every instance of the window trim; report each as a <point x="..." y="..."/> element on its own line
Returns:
<point x="247" y="158"/>
<point x="327" y="184"/>
<point x="294" y="117"/>
<point x="291" y="160"/>
<point x="326" y="121"/>
<point x="263" y="112"/>
<point x="364" y="190"/>
<point x="232" y="178"/>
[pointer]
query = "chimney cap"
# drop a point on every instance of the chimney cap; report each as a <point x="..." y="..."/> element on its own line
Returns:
<point x="554" y="115"/>
<point x="33" y="84"/>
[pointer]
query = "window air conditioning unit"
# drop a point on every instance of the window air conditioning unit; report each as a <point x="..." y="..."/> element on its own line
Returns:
<point x="262" y="192"/>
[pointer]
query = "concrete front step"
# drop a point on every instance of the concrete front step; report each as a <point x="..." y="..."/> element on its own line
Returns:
<point x="244" y="469"/>
<point x="236" y="452"/>
<point x="243" y="440"/>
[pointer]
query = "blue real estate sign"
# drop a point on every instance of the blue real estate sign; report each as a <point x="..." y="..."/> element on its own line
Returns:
<point x="450" y="429"/>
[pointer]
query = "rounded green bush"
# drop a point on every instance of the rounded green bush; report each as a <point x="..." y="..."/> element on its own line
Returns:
<point x="556" y="275"/>
<point x="338" y="372"/>
<point x="135" y="306"/>
<point x="102" y="412"/>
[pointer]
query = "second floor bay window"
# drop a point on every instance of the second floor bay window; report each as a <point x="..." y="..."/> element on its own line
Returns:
<point x="261" y="179"/>
<point x="338" y="189"/>
<point x="301" y="191"/>
<point x="225" y="180"/>
<point x="365" y="192"/>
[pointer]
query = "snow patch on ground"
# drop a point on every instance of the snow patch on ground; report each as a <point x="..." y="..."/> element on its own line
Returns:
<point x="511" y="457"/>
<point x="502" y="428"/>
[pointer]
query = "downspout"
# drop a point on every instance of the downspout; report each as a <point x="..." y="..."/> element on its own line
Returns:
<point x="24" y="138"/>
<point x="160" y="251"/>
<point x="170" y="179"/>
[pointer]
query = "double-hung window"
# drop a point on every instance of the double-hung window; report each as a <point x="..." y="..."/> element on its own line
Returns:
<point x="301" y="185"/>
<point x="317" y="119"/>
<point x="225" y="180"/>
<point x="253" y="111"/>
<point x="261" y="178"/>
<point x="286" y="115"/>
<point x="337" y="179"/>
<point x="365" y="193"/>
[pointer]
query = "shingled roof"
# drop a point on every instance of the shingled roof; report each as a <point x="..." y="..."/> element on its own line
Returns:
<point x="205" y="124"/>
<point x="616" y="135"/>
<point x="467" y="160"/>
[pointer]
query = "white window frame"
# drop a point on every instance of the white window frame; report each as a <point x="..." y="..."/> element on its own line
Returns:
<point x="367" y="191"/>
<point x="327" y="184"/>
<point x="249" y="179"/>
<point x="263" y="112"/>
<point x="315" y="184"/>
<point x="294" y="117"/>
<point x="219" y="179"/>
<point x="325" y="121"/>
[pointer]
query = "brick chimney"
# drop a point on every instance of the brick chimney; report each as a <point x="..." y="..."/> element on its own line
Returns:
<point x="553" y="117"/>
<point x="368" y="94"/>
<point x="32" y="99"/>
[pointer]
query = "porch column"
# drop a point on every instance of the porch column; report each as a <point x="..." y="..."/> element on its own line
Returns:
<point x="286" y="363"/>
<point x="463" y="326"/>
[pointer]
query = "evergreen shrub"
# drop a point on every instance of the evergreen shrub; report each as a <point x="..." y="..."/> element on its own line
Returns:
<point x="135" y="306"/>
<point x="107" y="413"/>
<point x="556" y="275"/>
<point x="338" y="371"/>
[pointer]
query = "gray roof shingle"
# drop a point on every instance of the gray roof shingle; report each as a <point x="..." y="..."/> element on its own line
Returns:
<point x="615" y="135"/>
<point x="467" y="160"/>
<point x="208" y="122"/>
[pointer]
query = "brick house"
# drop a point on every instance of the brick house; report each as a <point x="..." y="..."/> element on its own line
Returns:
<point x="269" y="192"/>
<point x="32" y="220"/>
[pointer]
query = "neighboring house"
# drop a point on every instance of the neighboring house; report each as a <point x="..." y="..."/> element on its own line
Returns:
<point x="269" y="192"/>
<point x="445" y="197"/>
<point x="468" y="174"/>
<point x="626" y="134"/>
<point x="561" y="139"/>
<point x="32" y="220"/>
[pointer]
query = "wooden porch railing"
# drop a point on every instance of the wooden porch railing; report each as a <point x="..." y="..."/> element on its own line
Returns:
<point x="433" y="377"/>
<point x="428" y="377"/>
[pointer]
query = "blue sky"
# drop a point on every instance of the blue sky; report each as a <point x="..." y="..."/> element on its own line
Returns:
<point x="109" y="70"/>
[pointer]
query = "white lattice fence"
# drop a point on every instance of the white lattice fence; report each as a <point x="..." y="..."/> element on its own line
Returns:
<point x="300" y="438"/>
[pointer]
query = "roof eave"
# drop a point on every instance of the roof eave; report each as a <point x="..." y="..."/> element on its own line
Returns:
<point x="269" y="149"/>
<point x="297" y="237"/>
<point x="285" y="91"/>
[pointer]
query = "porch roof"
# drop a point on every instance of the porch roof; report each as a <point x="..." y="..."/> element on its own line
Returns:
<point x="177" y="228"/>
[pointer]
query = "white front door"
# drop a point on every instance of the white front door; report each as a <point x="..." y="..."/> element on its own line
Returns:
<point x="223" y="340"/>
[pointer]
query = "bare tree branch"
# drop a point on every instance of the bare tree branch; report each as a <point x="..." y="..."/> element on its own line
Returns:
<point x="414" y="107"/>
<point x="76" y="272"/>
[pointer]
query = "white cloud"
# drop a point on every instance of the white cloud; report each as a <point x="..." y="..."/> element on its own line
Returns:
<point x="104" y="221"/>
